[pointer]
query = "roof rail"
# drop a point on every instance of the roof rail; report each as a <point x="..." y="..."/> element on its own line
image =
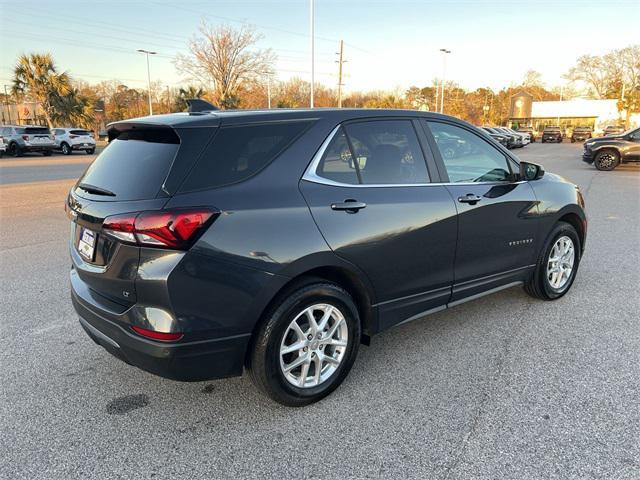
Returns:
<point x="198" y="105"/>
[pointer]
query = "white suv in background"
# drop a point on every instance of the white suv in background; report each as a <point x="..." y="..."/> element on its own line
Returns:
<point x="70" y="139"/>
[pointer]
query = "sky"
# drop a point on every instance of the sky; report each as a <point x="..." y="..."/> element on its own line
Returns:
<point x="389" y="45"/>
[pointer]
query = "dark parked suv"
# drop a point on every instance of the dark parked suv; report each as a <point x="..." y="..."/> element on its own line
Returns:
<point x="580" y="134"/>
<point x="277" y="241"/>
<point x="606" y="153"/>
<point x="552" y="134"/>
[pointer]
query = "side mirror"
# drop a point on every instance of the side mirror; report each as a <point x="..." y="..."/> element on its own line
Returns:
<point x="530" y="171"/>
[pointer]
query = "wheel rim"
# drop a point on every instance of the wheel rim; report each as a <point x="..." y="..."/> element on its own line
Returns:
<point x="560" y="263"/>
<point x="606" y="160"/>
<point x="314" y="345"/>
<point x="65" y="149"/>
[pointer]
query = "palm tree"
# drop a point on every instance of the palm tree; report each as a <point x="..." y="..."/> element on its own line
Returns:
<point x="73" y="109"/>
<point x="36" y="76"/>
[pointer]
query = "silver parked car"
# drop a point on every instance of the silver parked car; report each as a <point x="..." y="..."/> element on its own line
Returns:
<point x="20" y="139"/>
<point x="3" y="146"/>
<point x="70" y="139"/>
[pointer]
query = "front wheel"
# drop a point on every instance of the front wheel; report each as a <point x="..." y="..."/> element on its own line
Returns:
<point x="91" y="151"/>
<point x="607" y="160"/>
<point x="306" y="345"/>
<point x="557" y="265"/>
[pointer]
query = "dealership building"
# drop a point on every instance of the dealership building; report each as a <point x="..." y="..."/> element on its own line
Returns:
<point x="568" y="114"/>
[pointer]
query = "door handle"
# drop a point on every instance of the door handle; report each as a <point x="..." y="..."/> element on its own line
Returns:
<point x="470" y="198"/>
<point x="349" y="206"/>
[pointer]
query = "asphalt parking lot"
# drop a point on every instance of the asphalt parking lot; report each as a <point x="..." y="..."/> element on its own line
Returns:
<point x="503" y="387"/>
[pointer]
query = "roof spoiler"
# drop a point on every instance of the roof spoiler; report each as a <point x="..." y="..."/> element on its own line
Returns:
<point x="198" y="105"/>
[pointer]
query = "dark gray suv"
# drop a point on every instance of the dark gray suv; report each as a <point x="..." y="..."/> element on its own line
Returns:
<point x="277" y="241"/>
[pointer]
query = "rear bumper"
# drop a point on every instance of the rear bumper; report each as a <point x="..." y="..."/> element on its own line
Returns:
<point x="81" y="146"/>
<point x="197" y="360"/>
<point x="37" y="148"/>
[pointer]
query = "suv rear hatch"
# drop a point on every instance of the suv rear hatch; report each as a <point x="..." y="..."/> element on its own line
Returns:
<point x="36" y="135"/>
<point x="130" y="180"/>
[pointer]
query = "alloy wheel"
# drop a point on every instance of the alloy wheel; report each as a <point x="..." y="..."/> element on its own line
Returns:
<point x="313" y="345"/>
<point x="560" y="263"/>
<point x="606" y="160"/>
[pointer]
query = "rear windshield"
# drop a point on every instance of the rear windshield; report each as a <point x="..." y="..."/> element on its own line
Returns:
<point x="79" y="132"/>
<point x="237" y="153"/>
<point x="34" y="130"/>
<point x="552" y="129"/>
<point x="134" y="164"/>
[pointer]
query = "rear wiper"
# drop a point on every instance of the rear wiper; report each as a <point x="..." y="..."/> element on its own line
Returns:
<point x="95" y="190"/>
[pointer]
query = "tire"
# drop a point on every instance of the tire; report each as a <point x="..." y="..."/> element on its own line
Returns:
<point x="91" y="151"/>
<point x="540" y="285"/>
<point x="15" y="150"/>
<point x="573" y="140"/>
<point x="607" y="159"/>
<point x="66" y="149"/>
<point x="543" y="141"/>
<point x="267" y="363"/>
<point x="46" y="153"/>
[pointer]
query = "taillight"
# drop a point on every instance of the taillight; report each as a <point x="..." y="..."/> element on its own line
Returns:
<point x="121" y="226"/>
<point x="174" y="229"/>
<point x="152" y="334"/>
<point x="25" y="137"/>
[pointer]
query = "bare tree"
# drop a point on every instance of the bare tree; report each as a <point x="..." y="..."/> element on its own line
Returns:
<point x="592" y="71"/>
<point x="532" y="78"/>
<point x="223" y="59"/>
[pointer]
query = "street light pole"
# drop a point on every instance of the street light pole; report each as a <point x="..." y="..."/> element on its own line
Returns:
<point x="6" y="102"/>
<point x="147" y="53"/>
<point x="444" y="72"/>
<point x="313" y="73"/>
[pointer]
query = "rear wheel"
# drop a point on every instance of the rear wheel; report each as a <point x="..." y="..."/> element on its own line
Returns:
<point x="66" y="149"/>
<point x="607" y="160"/>
<point x="557" y="265"/>
<point x="46" y="153"/>
<point x="15" y="150"/>
<point x="307" y="344"/>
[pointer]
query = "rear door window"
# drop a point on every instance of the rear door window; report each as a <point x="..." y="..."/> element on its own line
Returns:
<point x="239" y="152"/>
<point x="37" y="131"/>
<point x="134" y="164"/>
<point x="387" y="152"/>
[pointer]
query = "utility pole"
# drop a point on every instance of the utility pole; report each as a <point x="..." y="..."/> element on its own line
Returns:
<point x="340" y="62"/>
<point x="561" y="92"/>
<point x="6" y="102"/>
<point x="269" y="92"/>
<point x="444" y="72"/>
<point x="437" y="95"/>
<point x="147" y="53"/>
<point x="313" y="73"/>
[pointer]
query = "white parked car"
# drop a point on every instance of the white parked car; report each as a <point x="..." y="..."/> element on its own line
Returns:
<point x="70" y="139"/>
<point x="3" y="146"/>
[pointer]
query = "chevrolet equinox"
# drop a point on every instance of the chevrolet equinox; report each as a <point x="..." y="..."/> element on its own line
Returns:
<point x="277" y="241"/>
